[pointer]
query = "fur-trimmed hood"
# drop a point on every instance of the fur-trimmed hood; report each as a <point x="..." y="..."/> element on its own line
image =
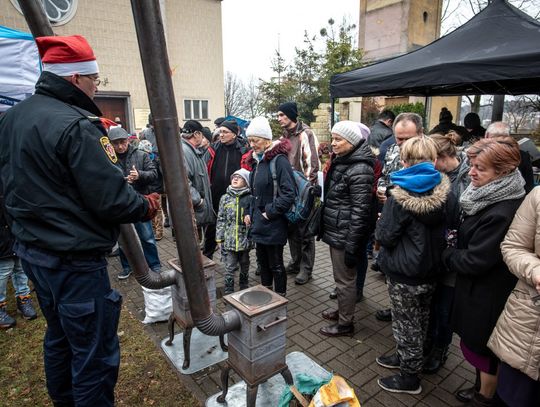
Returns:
<point x="281" y="146"/>
<point x="428" y="207"/>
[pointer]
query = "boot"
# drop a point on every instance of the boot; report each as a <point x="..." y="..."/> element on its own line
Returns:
<point x="435" y="360"/>
<point x="481" y="401"/>
<point x="6" y="321"/>
<point x="337" y="330"/>
<point x="25" y="307"/>
<point x="302" y="277"/>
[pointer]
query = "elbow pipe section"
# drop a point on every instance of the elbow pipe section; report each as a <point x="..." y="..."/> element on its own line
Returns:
<point x="132" y="249"/>
<point x="215" y="325"/>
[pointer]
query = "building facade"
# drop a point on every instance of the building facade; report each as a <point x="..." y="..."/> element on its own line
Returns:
<point x="194" y="40"/>
<point x="389" y="28"/>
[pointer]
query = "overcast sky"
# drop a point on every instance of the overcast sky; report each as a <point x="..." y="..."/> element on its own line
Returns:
<point x="251" y="29"/>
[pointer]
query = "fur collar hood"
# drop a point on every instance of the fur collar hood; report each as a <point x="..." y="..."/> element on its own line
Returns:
<point x="423" y="204"/>
<point x="281" y="146"/>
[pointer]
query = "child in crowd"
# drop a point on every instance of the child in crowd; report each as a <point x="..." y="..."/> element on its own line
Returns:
<point x="411" y="232"/>
<point x="232" y="231"/>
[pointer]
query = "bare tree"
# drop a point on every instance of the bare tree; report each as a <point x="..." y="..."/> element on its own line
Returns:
<point x="252" y="99"/>
<point x="234" y="95"/>
<point x="519" y="113"/>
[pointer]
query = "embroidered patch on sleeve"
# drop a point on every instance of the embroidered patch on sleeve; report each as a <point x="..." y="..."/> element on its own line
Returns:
<point x="109" y="149"/>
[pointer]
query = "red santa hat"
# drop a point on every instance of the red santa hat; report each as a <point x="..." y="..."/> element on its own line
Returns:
<point x="66" y="56"/>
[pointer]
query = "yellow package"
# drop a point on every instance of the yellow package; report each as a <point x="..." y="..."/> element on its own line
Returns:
<point x="335" y="393"/>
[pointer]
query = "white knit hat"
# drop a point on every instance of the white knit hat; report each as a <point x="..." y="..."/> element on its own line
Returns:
<point x="243" y="173"/>
<point x="349" y="130"/>
<point x="259" y="127"/>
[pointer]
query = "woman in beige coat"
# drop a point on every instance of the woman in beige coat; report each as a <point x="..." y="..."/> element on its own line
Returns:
<point x="516" y="337"/>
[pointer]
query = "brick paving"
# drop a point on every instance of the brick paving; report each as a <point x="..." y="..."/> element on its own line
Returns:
<point x="353" y="358"/>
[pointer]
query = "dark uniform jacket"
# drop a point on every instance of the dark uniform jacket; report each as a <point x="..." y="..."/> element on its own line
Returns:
<point x="411" y="231"/>
<point x="271" y="231"/>
<point x="378" y="133"/>
<point x="147" y="169"/>
<point x="348" y="203"/>
<point x="483" y="280"/>
<point x="6" y="238"/>
<point x="62" y="191"/>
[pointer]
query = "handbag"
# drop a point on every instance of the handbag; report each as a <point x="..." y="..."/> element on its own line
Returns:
<point x="313" y="222"/>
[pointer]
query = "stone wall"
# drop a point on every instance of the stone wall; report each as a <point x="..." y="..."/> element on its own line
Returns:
<point x="321" y="125"/>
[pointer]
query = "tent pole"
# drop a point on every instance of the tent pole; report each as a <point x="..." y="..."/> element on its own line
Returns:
<point x="332" y="112"/>
<point x="427" y="108"/>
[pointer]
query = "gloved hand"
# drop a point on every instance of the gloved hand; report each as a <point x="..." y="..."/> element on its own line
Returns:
<point x="317" y="190"/>
<point x="154" y="200"/>
<point x="350" y="260"/>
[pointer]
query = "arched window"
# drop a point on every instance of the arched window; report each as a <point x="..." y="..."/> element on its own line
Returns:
<point x="58" y="11"/>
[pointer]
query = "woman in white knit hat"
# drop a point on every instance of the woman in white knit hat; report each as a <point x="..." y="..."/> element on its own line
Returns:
<point x="268" y="222"/>
<point x="347" y="218"/>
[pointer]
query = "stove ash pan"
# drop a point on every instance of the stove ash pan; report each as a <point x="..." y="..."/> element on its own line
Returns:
<point x="257" y="349"/>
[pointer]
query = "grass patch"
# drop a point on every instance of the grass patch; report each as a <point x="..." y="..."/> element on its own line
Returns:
<point x="145" y="379"/>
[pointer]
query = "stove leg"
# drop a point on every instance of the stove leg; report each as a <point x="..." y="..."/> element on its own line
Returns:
<point x="187" y="346"/>
<point x="251" y="395"/>
<point x="224" y="347"/>
<point x="287" y="376"/>
<point x="225" y="370"/>
<point x="170" y="325"/>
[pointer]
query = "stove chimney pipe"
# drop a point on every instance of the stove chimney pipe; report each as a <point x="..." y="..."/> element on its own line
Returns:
<point x="157" y="73"/>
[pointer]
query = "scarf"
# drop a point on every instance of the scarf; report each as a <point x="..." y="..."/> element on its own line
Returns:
<point x="419" y="178"/>
<point x="506" y="188"/>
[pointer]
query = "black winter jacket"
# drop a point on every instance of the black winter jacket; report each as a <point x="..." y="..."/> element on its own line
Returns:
<point x="483" y="280"/>
<point x="347" y="217"/>
<point x="412" y="235"/>
<point x="271" y="231"/>
<point x="147" y="169"/>
<point x="378" y="133"/>
<point x="62" y="191"/>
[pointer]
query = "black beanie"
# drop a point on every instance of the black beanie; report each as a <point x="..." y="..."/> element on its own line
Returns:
<point x="471" y="121"/>
<point x="191" y="126"/>
<point x="231" y="125"/>
<point x="218" y="121"/>
<point x="289" y="109"/>
<point x="207" y="133"/>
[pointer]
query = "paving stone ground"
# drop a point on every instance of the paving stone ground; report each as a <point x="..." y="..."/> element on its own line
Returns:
<point x="353" y="358"/>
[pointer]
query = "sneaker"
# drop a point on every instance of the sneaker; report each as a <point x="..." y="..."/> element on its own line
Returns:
<point x="375" y="266"/>
<point x="388" y="361"/>
<point x="124" y="274"/>
<point x="25" y="307"/>
<point x="6" y="321"/>
<point x="401" y="383"/>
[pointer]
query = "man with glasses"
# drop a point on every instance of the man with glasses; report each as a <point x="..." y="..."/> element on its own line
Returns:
<point x="65" y="200"/>
<point x="225" y="156"/>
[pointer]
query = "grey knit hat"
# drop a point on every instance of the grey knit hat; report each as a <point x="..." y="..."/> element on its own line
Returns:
<point x="349" y="130"/>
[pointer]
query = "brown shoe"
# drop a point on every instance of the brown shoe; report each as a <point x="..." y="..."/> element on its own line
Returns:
<point x="337" y="330"/>
<point x="331" y="314"/>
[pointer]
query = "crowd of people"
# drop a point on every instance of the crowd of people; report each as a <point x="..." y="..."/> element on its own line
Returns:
<point x="446" y="215"/>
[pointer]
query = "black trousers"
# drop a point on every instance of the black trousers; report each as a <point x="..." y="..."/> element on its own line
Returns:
<point x="270" y="259"/>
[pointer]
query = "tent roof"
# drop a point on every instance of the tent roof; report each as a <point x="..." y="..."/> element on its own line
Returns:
<point x="495" y="52"/>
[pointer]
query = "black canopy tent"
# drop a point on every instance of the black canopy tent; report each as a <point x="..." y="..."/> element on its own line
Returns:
<point x="496" y="52"/>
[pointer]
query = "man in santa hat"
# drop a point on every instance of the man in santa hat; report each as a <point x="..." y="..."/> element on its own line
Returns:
<point x="65" y="199"/>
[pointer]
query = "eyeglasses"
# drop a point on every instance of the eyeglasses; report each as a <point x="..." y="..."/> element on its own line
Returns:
<point x="97" y="81"/>
<point x="236" y="177"/>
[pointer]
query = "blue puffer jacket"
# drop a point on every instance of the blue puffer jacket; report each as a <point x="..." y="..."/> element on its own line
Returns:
<point x="271" y="231"/>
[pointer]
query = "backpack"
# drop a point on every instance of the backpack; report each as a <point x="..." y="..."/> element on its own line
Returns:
<point x="304" y="199"/>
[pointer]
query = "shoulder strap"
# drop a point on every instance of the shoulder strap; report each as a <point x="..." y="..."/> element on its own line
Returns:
<point x="274" y="175"/>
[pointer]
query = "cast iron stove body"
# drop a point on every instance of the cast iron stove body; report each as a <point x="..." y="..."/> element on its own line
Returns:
<point x="257" y="349"/>
<point x="181" y="313"/>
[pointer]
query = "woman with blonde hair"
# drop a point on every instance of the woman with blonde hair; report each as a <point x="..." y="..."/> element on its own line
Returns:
<point x="268" y="207"/>
<point x="483" y="280"/>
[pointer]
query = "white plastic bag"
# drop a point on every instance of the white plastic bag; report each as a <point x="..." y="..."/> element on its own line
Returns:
<point x="157" y="305"/>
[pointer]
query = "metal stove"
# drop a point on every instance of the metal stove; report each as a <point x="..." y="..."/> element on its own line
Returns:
<point x="181" y="312"/>
<point x="257" y="349"/>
